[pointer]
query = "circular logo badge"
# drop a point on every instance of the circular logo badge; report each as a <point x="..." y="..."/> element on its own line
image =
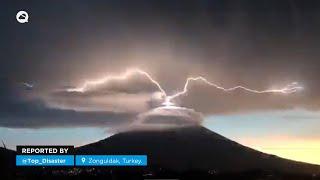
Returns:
<point x="22" y="17"/>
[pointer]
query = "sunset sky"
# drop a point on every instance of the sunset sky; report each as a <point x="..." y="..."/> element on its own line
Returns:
<point x="262" y="45"/>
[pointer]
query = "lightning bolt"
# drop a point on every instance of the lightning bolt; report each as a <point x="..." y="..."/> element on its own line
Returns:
<point x="290" y="88"/>
<point x="88" y="84"/>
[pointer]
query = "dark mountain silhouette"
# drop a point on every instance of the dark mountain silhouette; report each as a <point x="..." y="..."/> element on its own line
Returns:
<point x="7" y="163"/>
<point x="181" y="153"/>
<point x="194" y="149"/>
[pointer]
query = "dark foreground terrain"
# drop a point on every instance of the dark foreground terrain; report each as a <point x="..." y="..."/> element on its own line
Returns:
<point x="184" y="153"/>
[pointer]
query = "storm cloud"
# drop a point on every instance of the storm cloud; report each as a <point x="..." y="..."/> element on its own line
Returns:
<point x="262" y="45"/>
<point x="17" y="111"/>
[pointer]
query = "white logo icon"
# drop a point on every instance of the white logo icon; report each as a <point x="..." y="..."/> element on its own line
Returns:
<point x="22" y="17"/>
<point x="83" y="160"/>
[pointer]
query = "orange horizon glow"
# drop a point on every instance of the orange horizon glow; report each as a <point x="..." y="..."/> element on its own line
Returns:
<point x="298" y="149"/>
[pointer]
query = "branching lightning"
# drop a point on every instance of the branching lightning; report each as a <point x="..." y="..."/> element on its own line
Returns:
<point x="290" y="88"/>
<point x="88" y="84"/>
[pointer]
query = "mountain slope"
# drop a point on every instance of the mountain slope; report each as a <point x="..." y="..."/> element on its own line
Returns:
<point x="194" y="148"/>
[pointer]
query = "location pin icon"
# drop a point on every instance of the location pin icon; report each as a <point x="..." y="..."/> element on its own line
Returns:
<point x="83" y="160"/>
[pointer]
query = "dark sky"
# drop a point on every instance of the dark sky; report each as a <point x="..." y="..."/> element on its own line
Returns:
<point x="260" y="44"/>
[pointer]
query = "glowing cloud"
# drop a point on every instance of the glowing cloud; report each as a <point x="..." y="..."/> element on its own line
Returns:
<point x="87" y="85"/>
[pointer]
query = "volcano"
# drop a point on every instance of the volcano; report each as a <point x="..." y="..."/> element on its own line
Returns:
<point x="192" y="152"/>
<point x="195" y="149"/>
